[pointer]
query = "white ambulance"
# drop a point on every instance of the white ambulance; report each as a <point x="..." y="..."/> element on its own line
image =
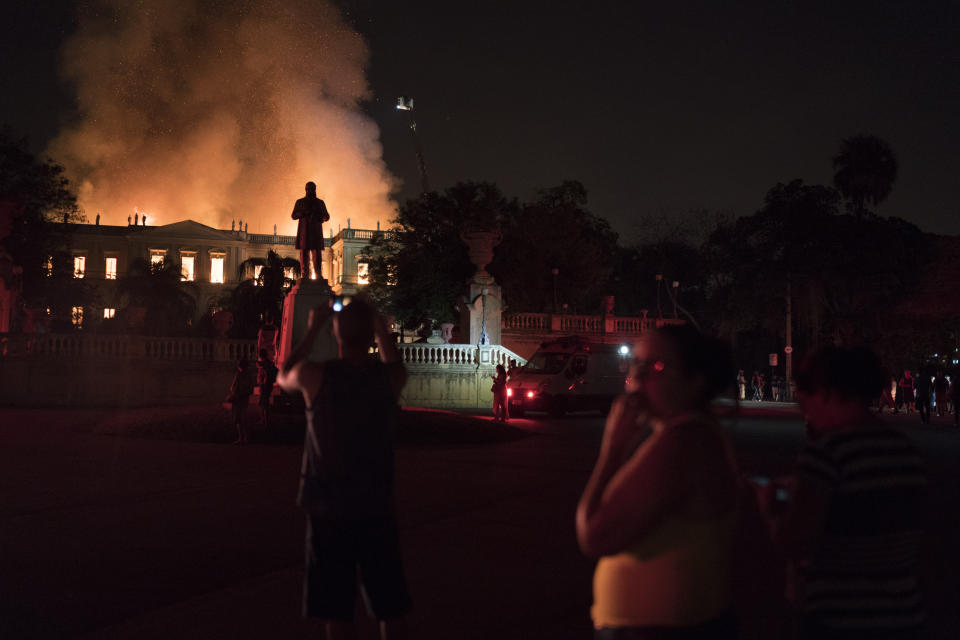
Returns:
<point x="569" y="374"/>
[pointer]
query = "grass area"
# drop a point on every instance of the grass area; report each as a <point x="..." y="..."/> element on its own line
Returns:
<point x="213" y="423"/>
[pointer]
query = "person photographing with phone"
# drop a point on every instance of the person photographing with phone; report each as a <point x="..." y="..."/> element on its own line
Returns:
<point x="347" y="472"/>
<point x="660" y="508"/>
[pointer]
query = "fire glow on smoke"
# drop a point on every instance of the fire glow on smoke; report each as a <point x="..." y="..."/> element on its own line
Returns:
<point x="216" y="110"/>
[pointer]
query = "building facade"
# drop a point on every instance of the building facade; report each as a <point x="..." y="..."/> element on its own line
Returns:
<point x="209" y="257"/>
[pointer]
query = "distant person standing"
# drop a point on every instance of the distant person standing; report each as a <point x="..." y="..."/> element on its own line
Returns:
<point x="923" y="389"/>
<point x="940" y="387"/>
<point x="905" y="394"/>
<point x="266" y="377"/>
<point x="742" y="385"/>
<point x="311" y="213"/>
<point x="499" y="389"/>
<point x="267" y="337"/>
<point x="347" y="473"/>
<point x="853" y="527"/>
<point x="756" y="383"/>
<point x="955" y="398"/>
<point x="239" y="398"/>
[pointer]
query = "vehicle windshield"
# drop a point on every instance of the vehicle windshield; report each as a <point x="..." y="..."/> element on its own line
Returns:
<point x="546" y="363"/>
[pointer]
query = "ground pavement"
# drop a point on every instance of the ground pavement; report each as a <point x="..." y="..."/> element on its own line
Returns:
<point x="113" y="537"/>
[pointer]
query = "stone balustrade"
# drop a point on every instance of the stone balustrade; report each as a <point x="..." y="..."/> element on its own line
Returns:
<point x="523" y="332"/>
<point x="121" y="346"/>
<point x="582" y="325"/>
<point x="416" y="355"/>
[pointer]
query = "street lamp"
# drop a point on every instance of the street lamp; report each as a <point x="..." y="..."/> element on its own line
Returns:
<point x="405" y="103"/>
<point x="555" y="271"/>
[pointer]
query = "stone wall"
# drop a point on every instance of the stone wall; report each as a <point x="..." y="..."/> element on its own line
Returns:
<point x="124" y="371"/>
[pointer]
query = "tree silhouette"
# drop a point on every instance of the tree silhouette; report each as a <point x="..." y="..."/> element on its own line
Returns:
<point x="170" y="302"/>
<point x="255" y="297"/>
<point x="40" y="200"/>
<point x="865" y="170"/>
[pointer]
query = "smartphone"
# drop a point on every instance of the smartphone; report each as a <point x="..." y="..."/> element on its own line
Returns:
<point x="337" y="303"/>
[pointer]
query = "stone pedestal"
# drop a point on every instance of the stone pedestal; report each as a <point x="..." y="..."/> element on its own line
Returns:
<point x="306" y="295"/>
<point x="480" y="316"/>
<point x="482" y="309"/>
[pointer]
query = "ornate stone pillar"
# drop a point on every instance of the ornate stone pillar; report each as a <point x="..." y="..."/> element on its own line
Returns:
<point x="482" y="309"/>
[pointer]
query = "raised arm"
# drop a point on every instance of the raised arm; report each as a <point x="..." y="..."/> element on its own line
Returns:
<point x="298" y="374"/>
<point x="629" y="490"/>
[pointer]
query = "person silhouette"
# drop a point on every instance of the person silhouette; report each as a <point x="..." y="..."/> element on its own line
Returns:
<point x="240" y="391"/>
<point x="267" y="337"/>
<point x="660" y="508"/>
<point x="854" y="521"/>
<point x="347" y="470"/>
<point x="311" y="212"/>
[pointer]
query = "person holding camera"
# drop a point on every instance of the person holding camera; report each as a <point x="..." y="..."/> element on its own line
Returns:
<point x="660" y="508"/>
<point x="347" y="472"/>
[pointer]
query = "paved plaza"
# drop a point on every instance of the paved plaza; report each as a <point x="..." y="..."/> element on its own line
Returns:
<point x="119" y="537"/>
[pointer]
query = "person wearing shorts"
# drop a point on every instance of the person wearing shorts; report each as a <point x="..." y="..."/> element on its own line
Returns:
<point x="347" y="472"/>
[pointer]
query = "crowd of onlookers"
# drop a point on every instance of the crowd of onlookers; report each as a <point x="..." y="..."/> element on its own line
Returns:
<point x="930" y="391"/>
<point x="761" y="387"/>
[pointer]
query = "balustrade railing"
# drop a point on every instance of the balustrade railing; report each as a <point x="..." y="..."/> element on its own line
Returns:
<point x="100" y="346"/>
<point x="546" y="323"/>
<point x="429" y="355"/>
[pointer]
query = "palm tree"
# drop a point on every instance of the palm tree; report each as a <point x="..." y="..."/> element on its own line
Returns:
<point x="170" y="302"/>
<point x="865" y="170"/>
<point x="263" y="294"/>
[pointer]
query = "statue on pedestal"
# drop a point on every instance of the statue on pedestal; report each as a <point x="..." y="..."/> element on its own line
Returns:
<point x="312" y="213"/>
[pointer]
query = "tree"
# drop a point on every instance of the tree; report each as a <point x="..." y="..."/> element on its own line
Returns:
<point x="61" y="292"/>
<point x="44" y="206"/>
<point x="866" y="169"/>
<point x="170" y="302"/>
<point x="254" y="298"/>
<point x="556" y="231"/>
<point x="418" y="268"/>
<point x="845" y="271"/>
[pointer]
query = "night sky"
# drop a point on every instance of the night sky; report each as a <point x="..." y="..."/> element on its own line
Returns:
<point x="658" y="108"/>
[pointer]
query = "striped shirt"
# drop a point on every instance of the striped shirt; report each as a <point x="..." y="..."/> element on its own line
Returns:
<point x="861" y="572"/>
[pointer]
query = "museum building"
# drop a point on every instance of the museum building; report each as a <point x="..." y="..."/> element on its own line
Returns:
<point x="209" y="257"/>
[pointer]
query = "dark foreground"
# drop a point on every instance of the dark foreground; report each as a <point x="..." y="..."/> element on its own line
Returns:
<point x="107" y="536"/>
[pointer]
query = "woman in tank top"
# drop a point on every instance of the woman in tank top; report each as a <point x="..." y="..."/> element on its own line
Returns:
<point x="660" y="508"/>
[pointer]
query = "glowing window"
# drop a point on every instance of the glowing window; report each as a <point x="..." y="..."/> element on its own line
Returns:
<point x="187" y="264"/>
<point x="157" y="257"/>
<point x="109" y="313"/>
<point x="111" y="268"/>
<point x="76" y="315"/>
<point x="79" y="266"/>
<point x="288" y="273"/>
<point x="257" y="270"/>
<point x="216" y="269"/>
<point x="363" y="273"/>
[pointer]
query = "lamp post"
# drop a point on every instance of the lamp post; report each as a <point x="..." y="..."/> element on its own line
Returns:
<point x="659" y="309"/>
<point x="405" y="103"/>
<point x="555" y="271"/>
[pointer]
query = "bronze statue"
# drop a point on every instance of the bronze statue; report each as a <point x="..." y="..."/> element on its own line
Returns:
<point x="312" y="213"/>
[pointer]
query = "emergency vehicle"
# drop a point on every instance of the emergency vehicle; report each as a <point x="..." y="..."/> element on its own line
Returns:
<point x="569" y="374"/>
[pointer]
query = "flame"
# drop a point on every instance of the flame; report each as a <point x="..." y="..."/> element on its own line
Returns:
<point x="216" y="111"/>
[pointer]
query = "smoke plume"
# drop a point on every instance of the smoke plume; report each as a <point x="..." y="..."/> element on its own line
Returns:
<point x="218" y="109"/>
